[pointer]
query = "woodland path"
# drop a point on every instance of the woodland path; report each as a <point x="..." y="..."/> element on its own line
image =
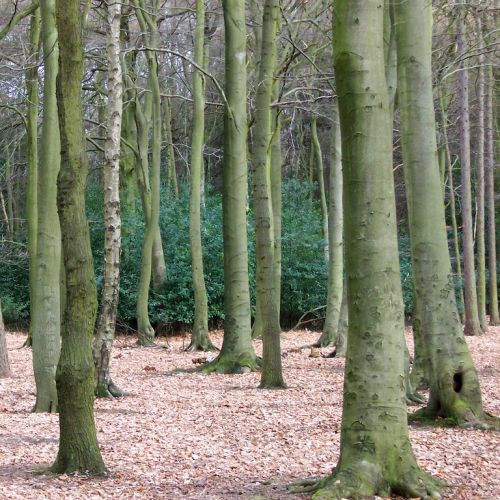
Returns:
<point x="185" y="435"/>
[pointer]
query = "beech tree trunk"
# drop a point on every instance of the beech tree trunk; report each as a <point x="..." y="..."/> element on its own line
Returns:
<point x="472" y="326"/>
<point x="335" y="239"/>
<point x="112" y="220"/>
<point x="490" y="200"/>
<point x="454" y="384"/>
<point x="4" y="357"/>
<point x="237" y="353"/>
<point x="47" y="301"/>
<point x="376" y="456"/>
<point x="199" y="338"/>
<point x="263" y="209"/>
<point x="32" y="158"/>
<point x="78" y="447"/>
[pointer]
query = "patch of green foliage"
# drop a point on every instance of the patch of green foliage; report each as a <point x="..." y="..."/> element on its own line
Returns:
<point x="304" y="269"/>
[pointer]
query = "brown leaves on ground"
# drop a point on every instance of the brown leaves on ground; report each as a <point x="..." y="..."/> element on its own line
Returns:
<point x="186" y="435"/>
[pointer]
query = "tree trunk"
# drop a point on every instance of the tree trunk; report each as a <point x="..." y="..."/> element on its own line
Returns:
<point x="490" y="200"/>
<point x="32" y="159"/>
<point x="480" y="250"/>
<point x="472" y="326"/>
<point x="237" y="353"/>
<point x="171" y="170"/>
<point x="318" y="156"/>
<point x="78" y="447"/>
<point x="112" y="219"/>
<point x="272" y="375"/>
<point x="453" y="211"/>
<point x="454" y="385"/>
<point x="47" y="305"/>
<point x="151" y="249"/>
<point x="335" y="237"/>
<point x="4" y="357"/>
<point x="376" y="456"/>
<point x="200" y="341"/>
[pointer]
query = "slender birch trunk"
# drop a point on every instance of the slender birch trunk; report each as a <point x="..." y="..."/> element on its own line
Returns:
<point x="112" y="219"/>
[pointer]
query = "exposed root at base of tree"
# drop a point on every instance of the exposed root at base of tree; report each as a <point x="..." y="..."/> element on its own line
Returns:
<point x="365" y="480"/>
<point x="230" y="363"/>
<point x="71" y="467"/>
<point x="108" y="390"/>
<point x="146" y="343"/>
<point x="204" y="345"/>
<point x="464" y="418"/>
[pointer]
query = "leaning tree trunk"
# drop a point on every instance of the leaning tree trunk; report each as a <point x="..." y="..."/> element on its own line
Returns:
<point x="32" y="159"/>
<point x="199" y="338"/>
<point x="237" y="353"/>
<point x="4" y="357"/>
<point x="375" y="455"/>
<point x="472" y="326"/>
<point x="454" y="384"/>
<point x="490" y="201"/>
<point x="112" y="219"/>
<point x="272" y="375"/>
<point x="78" y="447"/>
<point x="318" y="156"/>
<point x="151" y="197"/>
<point x="47" y="307"/>
<point x="335" y="239"/>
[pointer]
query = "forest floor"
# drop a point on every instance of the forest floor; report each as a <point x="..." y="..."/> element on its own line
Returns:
<point x="186" y="435"/>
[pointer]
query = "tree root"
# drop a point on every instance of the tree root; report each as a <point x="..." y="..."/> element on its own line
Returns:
<point x="414" y="398"/>
<point x="365" y="480"/>
<point x="231" y="363"/>
<point x="144" y="342"/>
<point x="204" y="345"/>
<point x="108" y="390"/>
<point x="463" y="417"/>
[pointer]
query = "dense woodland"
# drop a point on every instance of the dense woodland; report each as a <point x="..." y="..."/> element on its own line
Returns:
<point x="176" y="167"/>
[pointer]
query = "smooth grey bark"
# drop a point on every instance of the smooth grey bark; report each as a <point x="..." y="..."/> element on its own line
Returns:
<point x="472" y="326"/>
<point x="47" y="305"/>
<point x="4" y="357"/>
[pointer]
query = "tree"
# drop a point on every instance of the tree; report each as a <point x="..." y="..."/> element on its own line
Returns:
<point x="263" y="208"/>
<point x="78" y="447"/>
<point x="472" y="326"/>
<point x="376" y="456"/>
<point x="199" y="338"/>
<point x="47" y="300"/>
<point x="4" y="357"/>
<point x="112" y="230"/>
<point x="330" y="332"/>
<point x="454" y="384"/>
<point x="237" y="353"/>
<point x="318" y="159"/>
<point x="149" y="192"/>
<point x="490" y="200"/>
<point x="480" y="184"/>
<point x="32" y="158"/>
